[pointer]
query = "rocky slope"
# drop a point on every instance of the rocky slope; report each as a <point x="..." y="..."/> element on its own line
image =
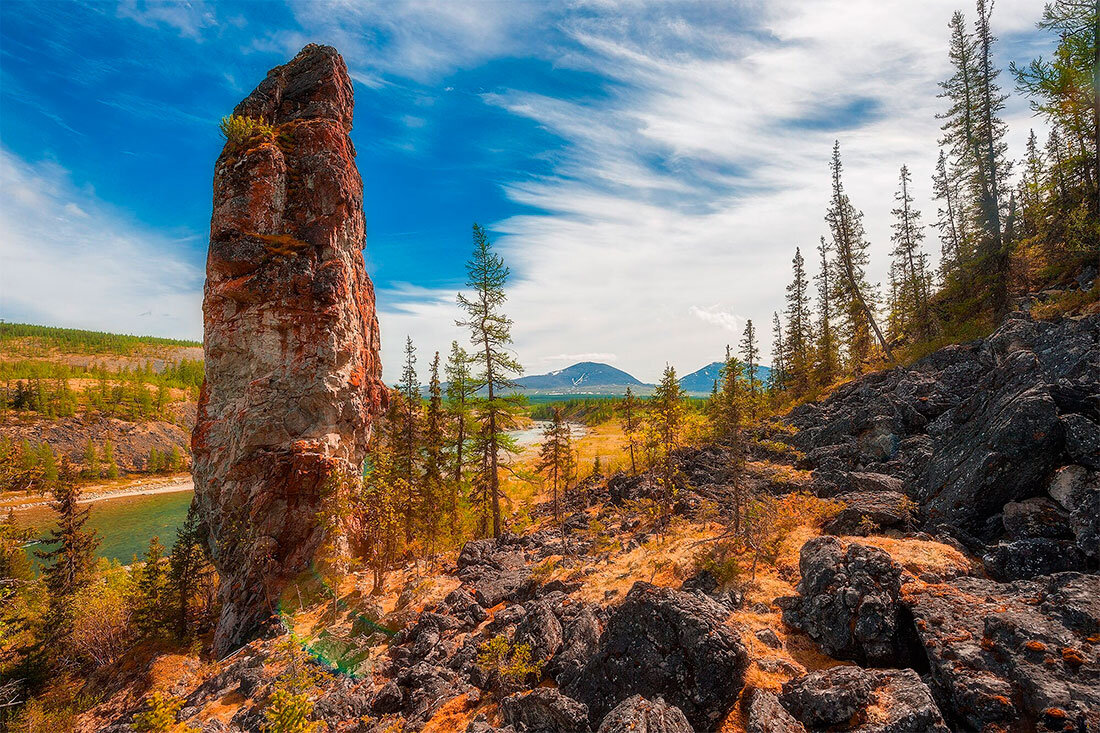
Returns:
<point x="291" y="336"/>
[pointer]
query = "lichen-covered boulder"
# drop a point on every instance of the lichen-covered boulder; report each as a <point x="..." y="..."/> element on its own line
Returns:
<point x="638" y="715"/>
<point x="661" y="642"/>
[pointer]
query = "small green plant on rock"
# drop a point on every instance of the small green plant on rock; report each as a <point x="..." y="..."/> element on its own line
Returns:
<point x="236" y="129"/>
<point x="289" y="707"/>
<point x="161" y="716"/>
<point x="866" y="526"/>
<point x="511" y="662"/>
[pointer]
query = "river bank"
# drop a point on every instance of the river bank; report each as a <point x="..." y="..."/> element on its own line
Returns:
<point x="144" y="487"/>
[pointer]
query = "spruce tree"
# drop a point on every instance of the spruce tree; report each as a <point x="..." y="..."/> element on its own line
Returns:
<point x="913" y="284"/>
<point x="728" y="428"/>
<point x="109" y="459"/>
<point x="152" y="583"/>
<point x="828" y="360"/>
<point x="91" y="462"/>
<point x="490" y="334"/>
<point x="630" y="420"/>
<point x="556" y="459"/>
<point x="854" y="294"/>
<point x="952" y="221"/>
<point x="434" y="420"/>
<point x="750" y="352"/>
<point x="188" y="568"/>
<point x="779" y="357"/>
<point x="665" y="417"/>
<point x="408" y="446"/>
<point x="68" y="566"/>
<point x="458" y="407"/>
<point x="799" y="332"/>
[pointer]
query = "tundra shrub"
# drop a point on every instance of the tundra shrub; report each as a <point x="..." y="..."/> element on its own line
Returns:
<point x="238" y="128"/>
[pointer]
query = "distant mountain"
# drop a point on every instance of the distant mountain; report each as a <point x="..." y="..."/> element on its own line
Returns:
<point x="702" y="381"/>
<point x="587" y="377"/>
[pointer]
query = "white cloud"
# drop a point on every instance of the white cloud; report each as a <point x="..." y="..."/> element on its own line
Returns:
<point x="69" y="259"/>
<point x="678" y="198"/>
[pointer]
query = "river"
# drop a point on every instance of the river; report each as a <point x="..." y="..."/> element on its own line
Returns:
<point x="125" y="524"/>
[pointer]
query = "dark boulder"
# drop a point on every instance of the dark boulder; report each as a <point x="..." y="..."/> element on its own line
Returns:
<point x="1036" y="517"/>
<point x="829" y="697"/>
<point x="580" y="638"/>
<point x="661" y="642"/>
<point x="884" y="509"/>
<point x="541" y="630"/>
<point x="1029" y="558"/>
<point x="544" y="710"/>
<point x="848" y="601"/>
<point x="639" y="715"/>
<point x="1003" y="654"/>
<point x="766" y="715"/>
<point x="1082" y="440"/>
<point x="864" y="700"/>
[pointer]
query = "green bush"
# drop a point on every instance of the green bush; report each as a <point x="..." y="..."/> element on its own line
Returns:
<point x="511" y="662"/>
<point x="238" y="128"/>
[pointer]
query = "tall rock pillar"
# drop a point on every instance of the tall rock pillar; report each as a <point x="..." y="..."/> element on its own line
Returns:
<point x="291" y="336"/>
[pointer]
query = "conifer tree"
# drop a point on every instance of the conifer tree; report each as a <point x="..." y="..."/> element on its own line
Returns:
<point x="188" y="570"/>
<point x="380" y="517"/>
<point x="458" y="406"/>
<point x="91" y="461"/>
<point x="68" y="566"/>
<point x="631" y="423"/>
<point x="665" y="417"/>
<point x="556" y="458"/>
<point x="490" y="334"/>
<point x="779" y="356"/>
<point x="952" y="221"/>
<point x="828" y="360"/>
<point x="854" y="294"/>
<point x="799" y="333"/>
<point x="750" y="352"/>
<point x="433" y="454"/>
<point x="728" y="428"/>
<point x="913" y="284"/>
<point x="109" y="459"/>
<point x="408" y="446"/>
<point x="152" y="584"/>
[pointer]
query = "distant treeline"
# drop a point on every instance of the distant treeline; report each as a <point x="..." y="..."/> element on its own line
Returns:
<point x="85" y="342"/>
<point x="593" y="411"/>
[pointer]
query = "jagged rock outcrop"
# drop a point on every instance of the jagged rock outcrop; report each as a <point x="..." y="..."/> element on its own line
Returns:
<point x="867" y="701"/>
<point x="848" y="601"/>
<point x="969" y="429"/>
<point x="638" y="715"/>
<point x="667" y="643"/>
<point x="291" y="336"/>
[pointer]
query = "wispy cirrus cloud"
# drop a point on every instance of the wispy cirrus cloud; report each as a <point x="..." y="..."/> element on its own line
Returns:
<point x="71" y="259"/>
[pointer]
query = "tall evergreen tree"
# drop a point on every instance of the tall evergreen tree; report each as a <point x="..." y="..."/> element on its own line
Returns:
<point x="828" y="360"/>
<point x="630" y="419"/>
<point x="952" y="220"/>
<point x="779" y="356"/>
<point x="490" y="333"/>
<point x="665" y="417"/>
<point x="727" y="417"/>
<point x="458" y="406"/>
<point x="799" y="327"/>
<point x="854" y="294"/>
<point x="151" y="605"/>
<point x="913" y="283"/>
<point x="434" y="439"/>
<point x="68" y="566"/>
<point x="409" y="446"/>
<point x="189" y="570"/>
<point x="750" y="352"/>
<point x="556" y="458"/>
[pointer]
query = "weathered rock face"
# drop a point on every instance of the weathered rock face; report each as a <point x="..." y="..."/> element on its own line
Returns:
<point x="291" y="336"/>
<point x="665" y="643"/>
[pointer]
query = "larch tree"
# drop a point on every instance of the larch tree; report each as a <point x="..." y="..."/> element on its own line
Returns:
<point x="911" y="275"/>
<point x="828" y="360"/>
<point x="630" y="419"/>
<point x="728" y="416"/>
<point x="799" y="327"/>
<point x="490" y="334"/>
<point x="854" y="294"/>
<point x="951" y="221"/>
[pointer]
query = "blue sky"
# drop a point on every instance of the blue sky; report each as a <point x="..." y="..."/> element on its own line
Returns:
<point x="646" y="168"/>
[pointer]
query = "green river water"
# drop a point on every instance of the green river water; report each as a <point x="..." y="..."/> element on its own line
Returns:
<point x="125" y="525"/>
